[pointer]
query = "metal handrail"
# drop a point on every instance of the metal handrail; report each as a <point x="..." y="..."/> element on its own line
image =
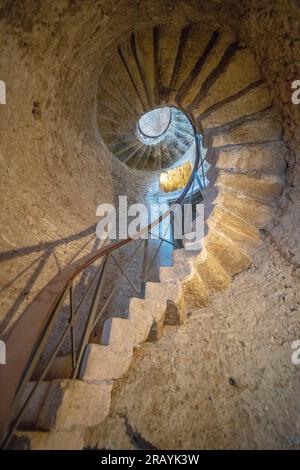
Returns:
<point x="27" y="339"/>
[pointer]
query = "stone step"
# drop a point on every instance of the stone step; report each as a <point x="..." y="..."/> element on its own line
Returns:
<point x="184" y="128"/>
<point x="62" y="405"/>
<point x="184" y="138"/>
<point x="212" y="273"/>
<point x="260" y="186"/>
<point x="176" y="152"/>
<point x="231" y="81"/>
<point x="212" y="60"/>
<point x="127" y="53"/>
<point x="263" y="128"/>
<point x="252" y="101"/>
<point x="111" y="359"/>
<point x="167" y="156"/>
<point x="145" y="54"/>
<point x="195" y="293"/>
<point x="124" y="150"/>
<point x="227" y="253"/>
<point x="177" y="143"/>
<point x="110" y="102"/>
<point x="266" y="158"/>
<point x="245" y="207"/>
<point x="169" y="37"/>
<point x="113" y="122"/>
<point x="153" y="159"/>
<point x="144" y="315"/>
<point x="172" y="292"/>
<point x="116" y="70"/>
<point x="122" y="118"/>
<point x="109" y="87"/>
<point x="246" y="236"/>
<point x="134" y="160"/>
<point x="193" y="41"/>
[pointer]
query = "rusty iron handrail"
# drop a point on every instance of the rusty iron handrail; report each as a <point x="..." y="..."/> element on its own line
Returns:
<point x="27" y="338"/>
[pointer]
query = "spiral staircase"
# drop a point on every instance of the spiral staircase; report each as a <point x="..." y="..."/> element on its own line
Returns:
<point x="211" y="78"/>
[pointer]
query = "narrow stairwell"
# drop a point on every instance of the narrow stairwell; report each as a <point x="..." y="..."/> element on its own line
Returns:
<point x="208" y="79"/>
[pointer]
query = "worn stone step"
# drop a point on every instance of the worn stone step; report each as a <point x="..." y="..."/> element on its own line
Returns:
<point x="115" y="113"/>
<point x="145" y="54"/>
<point x="243" y="234"/>
<point x="116" y="107"/>
<point x="125" y="150"/>
<point x="263" y="128"/>
<point x="240" y="106"/>
<point x="172" y="292"/>
<point x="195" y="293"/>
<point x="193" y="41"/>
<point x="143" y="314"/>
<point x="231" y="81"/>
<point x="260" y="186"/>
<point x="211" y="272"/>
<point x="127" y="53"/>
<point x="110" y="87"/>
<point x="179" y="272"/>
<point x="228" y="253"/>
<point x="249" y="208"/>
<point x="267" y="158"/>
<point x="169" y="37"/>
<point x="212" y="60"/>
<point x="116" y="71"/>
<point x="111" y="359"/>
<point x="134" y="160"/>
<point x="62" y="405"/>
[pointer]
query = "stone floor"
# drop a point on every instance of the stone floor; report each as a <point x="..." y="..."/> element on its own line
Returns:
<point x="223" y="380"/>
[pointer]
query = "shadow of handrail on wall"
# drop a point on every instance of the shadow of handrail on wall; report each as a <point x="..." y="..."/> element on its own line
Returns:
<point x="5" y="256"/>
<point x="44" y="250"/>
